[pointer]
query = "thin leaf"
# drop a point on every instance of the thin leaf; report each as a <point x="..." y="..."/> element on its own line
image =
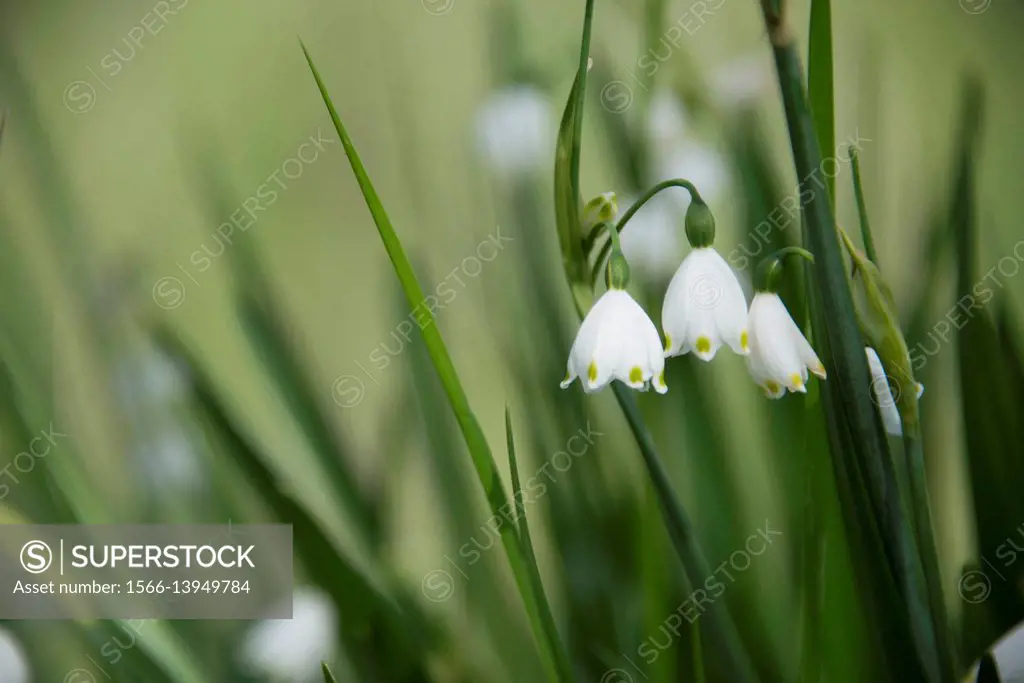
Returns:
<point x="547" y="622"/>
<point x="854" y="428"/>
<point x="820" y="82"/>
<point x="328" y="676"/>
<point x="862" y="209"/>
<point x="554" y="657"/>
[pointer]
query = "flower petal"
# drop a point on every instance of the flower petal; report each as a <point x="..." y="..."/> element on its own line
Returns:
<point x="883" y="394"/>
<point x="730" y="310"/>
<point x="771" y="335"/>
<point x="675" y="311"/>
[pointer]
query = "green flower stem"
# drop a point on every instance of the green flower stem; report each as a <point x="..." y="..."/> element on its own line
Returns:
<point x="769" y="272"/>
<point x="636" y="206"/>
<point x="725" y="638"/>
<point x="553" y="656"/>
<point x="862" y="208"/>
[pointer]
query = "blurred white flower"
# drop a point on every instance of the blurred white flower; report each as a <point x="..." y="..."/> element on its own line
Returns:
<point x="617" y="340"/>
<point x="148" y="376"/>
<point x="515" y="130"/>
<point x="741" y="81"/>
<point x="678" y="153"/>
<point x="700" y="164"/>
<point x="704" y="307"/>
<point x="667" y="119"/>
<point x="292" y="649"/>
<point x="884" y="398"/>
<point x="14" y="666"/>
<point x="170" y="461"/>
<point x="780" y="355"/>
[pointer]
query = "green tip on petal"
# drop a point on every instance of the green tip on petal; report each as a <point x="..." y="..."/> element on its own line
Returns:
<point x="703" y="345"/>
<point x="636" y="374"/>
<point x="592" y="371"/>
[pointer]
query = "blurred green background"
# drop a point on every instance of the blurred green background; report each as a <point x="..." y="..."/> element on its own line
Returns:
<point x="136" y="130"/>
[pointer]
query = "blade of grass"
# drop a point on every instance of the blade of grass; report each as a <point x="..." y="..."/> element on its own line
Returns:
<point x="328" y="676"/>
<point x="547" y="620"/>
<point x="554" y="656"/>
<point x="848" y="403"/>
<point x="862" y="208"/>
<point x="820" y="81"/>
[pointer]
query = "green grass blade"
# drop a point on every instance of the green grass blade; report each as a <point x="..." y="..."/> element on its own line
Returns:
<point x="328" y="676"/>
<point x="855" y="431"/>
<point x="472" y="433"/>
<point x="862" y="208"/>
<point x="722" y="632"/>
<point x="820" y="81"/>
<point x="547" y="621"/>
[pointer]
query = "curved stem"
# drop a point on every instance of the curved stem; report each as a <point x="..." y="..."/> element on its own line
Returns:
<point x="793" y="251"/>
<point x="644" y="198"/>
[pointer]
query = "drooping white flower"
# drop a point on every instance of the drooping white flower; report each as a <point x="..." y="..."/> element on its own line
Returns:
<point x="617" y="340"/>
<point x="882" y="392"/>
<point x="704" y="307"/>
<point x="780" y="355"/>
<point x="292" y="649"/>
<point x="515" y="129"/>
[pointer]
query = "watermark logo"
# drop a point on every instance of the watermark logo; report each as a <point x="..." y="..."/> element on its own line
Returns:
<point x="438" y="7"/>
<point x="36" y="557"/>
<point x="706" y="291"/>
<point x="975" y="6"/>
<point x="975" y="585"/>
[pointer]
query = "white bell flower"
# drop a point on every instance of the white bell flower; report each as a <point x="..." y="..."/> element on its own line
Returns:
<point x="882" y="392"/>
<point x="704" y="306"/>
<point x="617" y="339"/>
<point x="780" y="355"/>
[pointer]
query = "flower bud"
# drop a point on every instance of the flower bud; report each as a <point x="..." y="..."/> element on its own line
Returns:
<point x="876" y="316"/>
<point x="700" y="225"/>
<point x="601" y="209"/>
